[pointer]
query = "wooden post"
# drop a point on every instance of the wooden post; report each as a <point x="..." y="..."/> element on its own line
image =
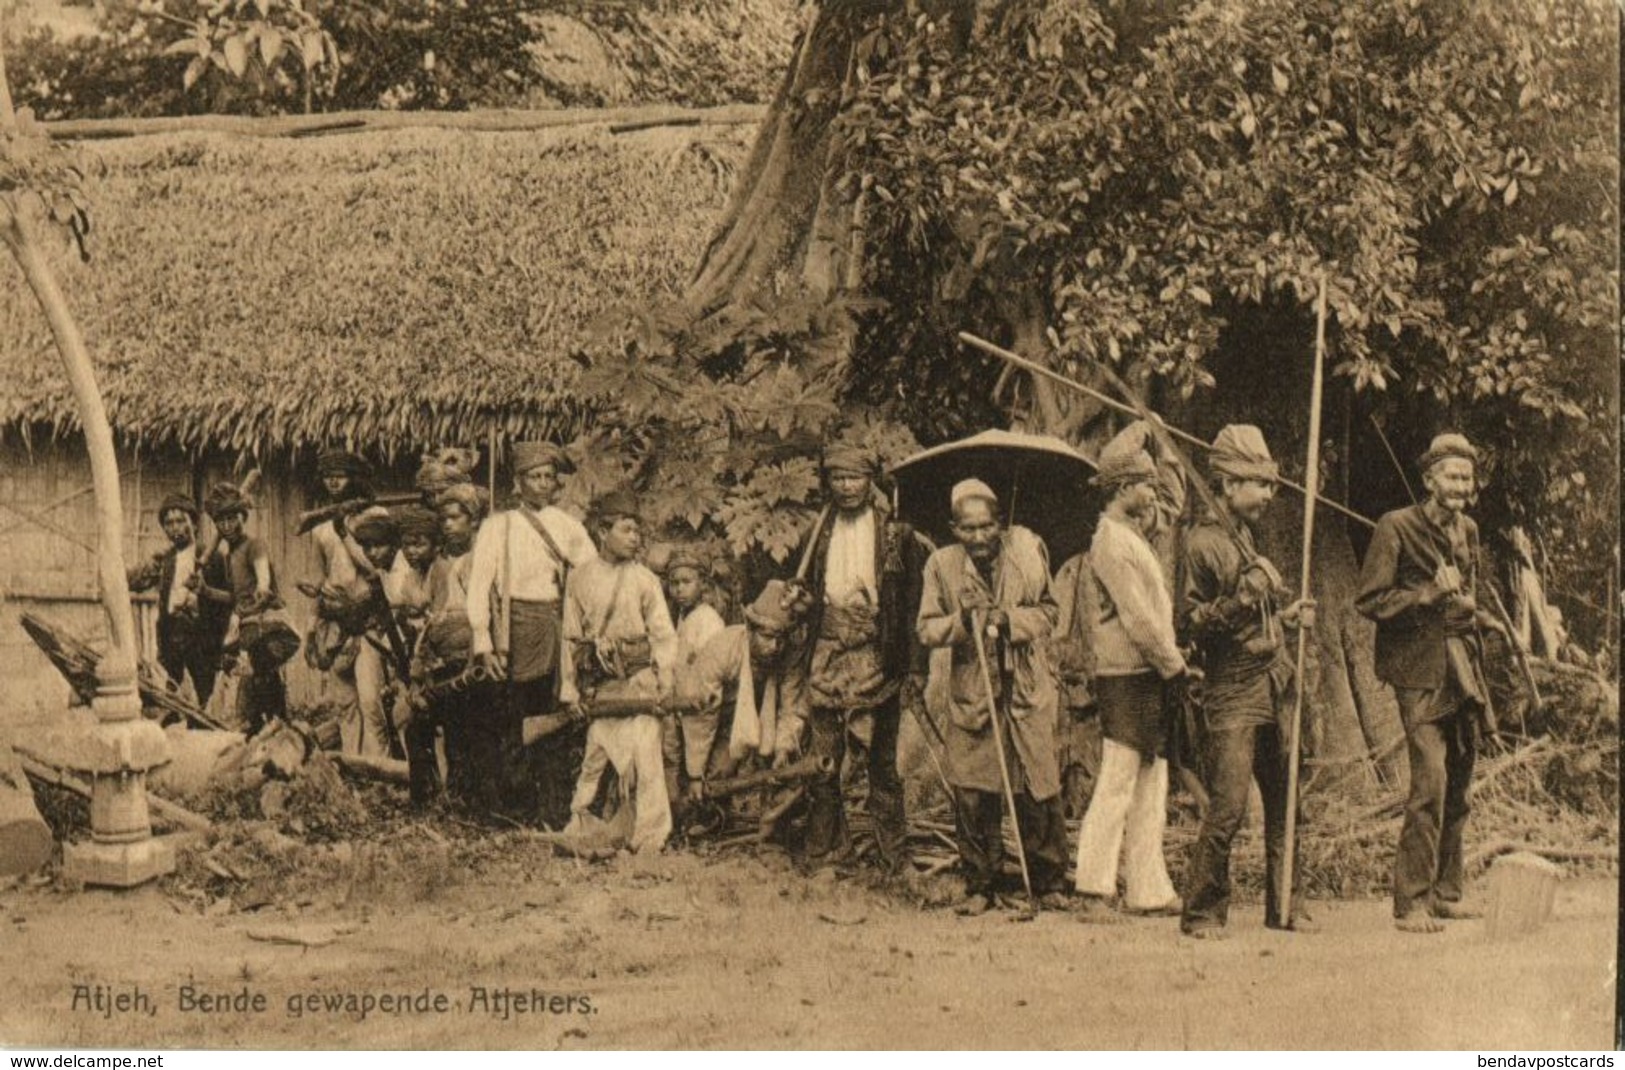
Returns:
<point x="1311" y="479"/>
<point x="123" y="747"/>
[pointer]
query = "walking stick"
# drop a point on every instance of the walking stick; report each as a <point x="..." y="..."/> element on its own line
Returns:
<point x="979" y="623"/>
<point x="1311" y="477"/>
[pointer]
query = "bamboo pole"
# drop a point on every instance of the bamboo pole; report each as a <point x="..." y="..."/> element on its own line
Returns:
<point x="1311" y="476"/>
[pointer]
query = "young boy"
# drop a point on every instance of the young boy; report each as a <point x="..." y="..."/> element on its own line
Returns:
<point x="697" y="623"/>
<point x="620" y="643"/>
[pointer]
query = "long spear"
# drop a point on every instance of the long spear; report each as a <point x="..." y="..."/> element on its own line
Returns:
<point x="978" y="626"/>
<point x="1311" y="476"/>
<point x="1131" y="410"/>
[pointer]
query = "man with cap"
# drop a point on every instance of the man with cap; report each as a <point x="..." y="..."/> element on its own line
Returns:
<point x="997" y="580"/>
<point x="1136" y="659"/>
<point x="190" y="633"/>
<point x="516" y="581"/>
<point x="1419" y="584"/>
<point x="442" y="653"/>
<point x="1234" y="613"/>
<point x="250" y="592"/>
<point x="447" y="467"/>
<point x="863" y="583"/>
<point x="621" y="644"/>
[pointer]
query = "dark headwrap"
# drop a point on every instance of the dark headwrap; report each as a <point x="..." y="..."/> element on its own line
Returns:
<point x="851" y="457"/>
<point x="472" y="499"/>
<point x="415" y="520"/>
<point x="340" y="463"/>
<point x="615" y="505"/>
<point x="224" y="499"/>
<point x="375" y="527"/>
<point x="528" y="455"/>
<point x="177" y="502"/>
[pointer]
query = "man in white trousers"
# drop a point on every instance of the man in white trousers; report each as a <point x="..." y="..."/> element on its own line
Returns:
<point x="1137" y="658"/>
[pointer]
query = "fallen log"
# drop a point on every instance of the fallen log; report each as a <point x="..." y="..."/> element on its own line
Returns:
<point x="387" y="770"/>
<point x="77" y="660"/>
<point x="25" y="838"/>
<point x="161" y="809"/>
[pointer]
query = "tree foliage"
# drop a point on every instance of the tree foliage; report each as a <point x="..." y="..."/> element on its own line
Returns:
<point x="1133" y="176"/>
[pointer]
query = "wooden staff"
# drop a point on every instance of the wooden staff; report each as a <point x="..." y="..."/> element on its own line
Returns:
<point x="978" y="625"/>
<point x="1311" y="477"/>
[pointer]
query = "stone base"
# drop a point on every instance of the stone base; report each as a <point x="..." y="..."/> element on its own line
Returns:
<point x="117" y="865"/>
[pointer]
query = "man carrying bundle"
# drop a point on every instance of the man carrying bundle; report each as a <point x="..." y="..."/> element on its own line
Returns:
<point x="521" y="558"/>
<point x="621" y="645"/>
<point x="191" y="632"/>
<point x="864" y="586"/>
<point x="1419" y="585"/>
<point x="998" y="581"/>
<point x="1234" y="615"/>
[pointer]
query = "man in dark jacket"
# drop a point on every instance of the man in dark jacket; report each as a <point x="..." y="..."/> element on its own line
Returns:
<point x="864" y="586"/>
<point x="1418" y="583"/>
<point x="1237" y="611"/>
<point x="191" y="632"/>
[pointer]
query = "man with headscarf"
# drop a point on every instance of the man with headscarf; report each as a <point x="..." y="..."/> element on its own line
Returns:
<point x="191" y="632"/>
<point x="445" y="468"/>
<point x="1136" y="659"/>
<point x="621" y="645"/>
<point x="516" y="582"/>
<point x="446" y="697"/>
<point x="1236" y="612"/>
<point x="861" y="655"/>
<point x="329" y="647"/>
<point x="687" y="587"/>
<point x="996" y="581"/>
<point x="732" y="679"/>
<point x="251" y="593"/>
<point x="1420" y="583"/>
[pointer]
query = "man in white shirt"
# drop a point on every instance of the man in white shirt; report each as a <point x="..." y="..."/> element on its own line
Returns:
<point x="521" y="561"/>
<point x="1136" y="653"/>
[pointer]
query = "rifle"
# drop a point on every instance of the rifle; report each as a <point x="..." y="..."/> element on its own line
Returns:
<point x="311" y="519"/>
<point x="807" y="769"/>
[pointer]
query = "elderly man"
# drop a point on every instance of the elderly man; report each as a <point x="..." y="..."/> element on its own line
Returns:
<point x="622" y="645"/>
<point x="997" y="580"/>
<point x="191" y="632"/>
<point x="521" y="559"/>
<point x="1418" y="584"/>
<point x="1234" y="613"/>
<point x="864" y="585"/>
<point x="1136" y="658"/>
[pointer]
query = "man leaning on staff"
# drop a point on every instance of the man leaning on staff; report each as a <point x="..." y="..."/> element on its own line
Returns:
<point x="1419" y="584"/>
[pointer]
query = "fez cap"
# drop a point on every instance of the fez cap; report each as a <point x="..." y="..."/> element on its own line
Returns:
<point x="966" y="489"/>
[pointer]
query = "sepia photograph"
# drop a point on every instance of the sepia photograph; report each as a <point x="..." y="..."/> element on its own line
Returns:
<point x="701" y="525"/>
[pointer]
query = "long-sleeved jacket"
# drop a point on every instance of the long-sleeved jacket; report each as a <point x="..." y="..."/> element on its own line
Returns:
<point x="1136" y="629"/>
<point x="507" y="541"/>
<point x="1020" y="587"/>
<point x="1406" y="551"/>
<point x="1240" y="639"/>
<point x="617" y="603"/>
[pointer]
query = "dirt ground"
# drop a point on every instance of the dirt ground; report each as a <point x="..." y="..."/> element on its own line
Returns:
<point x="740" y="951"/>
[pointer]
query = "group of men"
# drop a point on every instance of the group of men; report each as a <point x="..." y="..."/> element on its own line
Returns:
<point x="519" y="659"/>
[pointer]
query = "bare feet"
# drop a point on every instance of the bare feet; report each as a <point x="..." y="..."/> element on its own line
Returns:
<point x="1173" y="908"/>
<point x="1456" y="911"/>
<point x="1094" y="909"/>
<point x="1418" y="922"/>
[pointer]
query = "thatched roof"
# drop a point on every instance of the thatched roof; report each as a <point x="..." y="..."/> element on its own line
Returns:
<point x="390" y="290"/>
